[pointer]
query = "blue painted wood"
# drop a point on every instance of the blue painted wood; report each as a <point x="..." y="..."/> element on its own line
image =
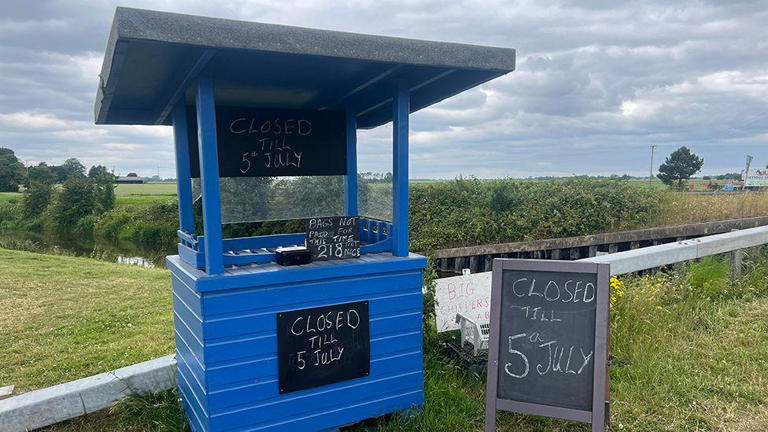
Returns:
<point x="380" y="246"/>
<point x="209" y="174"/>
<point x="272" y="273"/>
<point x="225" y="330"/>
<point x="187" y="238"/>
<point x="400" y="110"/>
<point x="183" y="181"/>
<point x="350" y="180"/>
<point x="248" y="258"/>
<point x="191" y="256"/>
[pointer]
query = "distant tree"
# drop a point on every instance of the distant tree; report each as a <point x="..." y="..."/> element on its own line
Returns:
<point x="100" y="173"/>
<point x="679" y="166"/>
<point x="12" y="172"/>
<point x="37" y="196"/>
<point x="72" y="168"/>
<point x="729" y="176"/>
<point x="132" y="174"/>
<point x="42" y="173"/>
<point x="103" y="188"/>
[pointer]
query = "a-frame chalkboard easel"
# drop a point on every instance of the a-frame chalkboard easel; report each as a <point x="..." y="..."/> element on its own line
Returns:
<point x="548" y="347"/>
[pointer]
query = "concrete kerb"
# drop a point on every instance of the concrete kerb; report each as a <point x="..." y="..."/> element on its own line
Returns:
<point x="61" y="402"/>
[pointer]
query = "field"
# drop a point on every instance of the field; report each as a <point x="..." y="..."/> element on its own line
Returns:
<point x="9" y="196"/>
<point x="690" y="348"/>
<point x="145" y="193"/>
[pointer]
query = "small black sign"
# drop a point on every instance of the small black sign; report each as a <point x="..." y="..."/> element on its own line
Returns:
<point x="323" y="345"/>
<point x="273" y="143"/>
<point x="549" y="340"/>
<point x="332" y="238"/>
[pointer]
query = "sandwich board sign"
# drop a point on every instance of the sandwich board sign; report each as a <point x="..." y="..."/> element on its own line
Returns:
<point x="548" y="346"/>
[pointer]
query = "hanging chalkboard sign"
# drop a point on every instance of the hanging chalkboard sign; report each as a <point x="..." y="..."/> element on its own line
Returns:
<point x="332" y="238"/>
<point x="547" y="352"/>
<point x="273" y="143"/>
<point x="323" y="345"/>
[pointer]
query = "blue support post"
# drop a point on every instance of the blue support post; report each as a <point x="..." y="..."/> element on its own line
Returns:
<point x="400" y="110"/>
<point x="350" y="181"/>
<point x="209" y="175"/>
<point x="183" y="179"/>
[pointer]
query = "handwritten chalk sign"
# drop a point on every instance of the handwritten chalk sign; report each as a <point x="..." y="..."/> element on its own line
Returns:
<point x="273" y="143"/>
<point x="323" y="345"/>
<point x="468" y="295"/>
<point x="549" y="340"/>
<point x="332" y="238"/>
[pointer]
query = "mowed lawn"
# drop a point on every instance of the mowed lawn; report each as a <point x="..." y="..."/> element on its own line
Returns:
<point x="64" y="318"/>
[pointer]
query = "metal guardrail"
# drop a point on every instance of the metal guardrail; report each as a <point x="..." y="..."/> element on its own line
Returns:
<point x="672" y="253"/>
<point x="621" y="263"/>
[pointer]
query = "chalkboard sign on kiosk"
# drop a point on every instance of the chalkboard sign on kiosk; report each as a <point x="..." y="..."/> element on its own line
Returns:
<point x="549" y="340"/>
<point x="272" y="143"/>
<point x="332" y="238"/>
<point x="323" y="345"/>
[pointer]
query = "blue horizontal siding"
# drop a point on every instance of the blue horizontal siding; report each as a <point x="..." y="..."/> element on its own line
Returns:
<point x="343" y="414"/>
<point x="197" y="399"/>
<point x="270" y="297"/>
<point x="265" y="322"/>
<point x="223" y="376"/>
<point x="318" y="401"/>
<point x="227" y="345"/>
<point x="195" y="369"/>
<point x="268" y="389"/>
<point x="187" y="295"/>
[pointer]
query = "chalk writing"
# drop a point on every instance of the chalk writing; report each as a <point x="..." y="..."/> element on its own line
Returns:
<point x="546" y="349"/>
<point x="322" y="345"/>
<point x="267" y="143"/>
<point x="333" y="238"/>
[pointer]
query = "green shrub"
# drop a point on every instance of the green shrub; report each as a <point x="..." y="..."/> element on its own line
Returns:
<point x="472" y="211"/>
<point x="74" y="202"/>
<point x="37" y="197"/>
<point x="151" y="225"/>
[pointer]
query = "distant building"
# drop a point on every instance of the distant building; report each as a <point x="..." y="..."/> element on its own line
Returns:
<point x="130" y="180"/>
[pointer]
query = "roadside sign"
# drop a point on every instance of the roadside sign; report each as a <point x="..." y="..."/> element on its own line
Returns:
<point x="548" y="347"/>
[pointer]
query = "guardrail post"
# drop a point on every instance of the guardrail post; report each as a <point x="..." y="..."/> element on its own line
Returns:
<point x="736" y="262"/>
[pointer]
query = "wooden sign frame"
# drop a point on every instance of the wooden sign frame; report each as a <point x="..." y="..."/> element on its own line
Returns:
<point x="598" y="416"/>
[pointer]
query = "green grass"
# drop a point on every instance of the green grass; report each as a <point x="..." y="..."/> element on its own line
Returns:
<point x="147" y="193"/>
<point x="690" y="350"/>
<point x="146" y="189"/>
<point x="10" y="196"/>
<point x="64" y="318"/>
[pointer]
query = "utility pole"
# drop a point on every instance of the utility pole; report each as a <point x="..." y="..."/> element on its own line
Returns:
<point x="650" y="178"/>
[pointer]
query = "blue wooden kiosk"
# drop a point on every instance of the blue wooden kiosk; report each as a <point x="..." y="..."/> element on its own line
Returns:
<point x="229" y="295"/>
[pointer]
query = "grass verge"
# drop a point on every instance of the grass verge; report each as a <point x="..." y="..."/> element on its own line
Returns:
<point x="690" y="348"/>
<point x="64" y="318"/>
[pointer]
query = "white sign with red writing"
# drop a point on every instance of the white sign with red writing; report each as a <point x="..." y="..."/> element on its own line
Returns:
<point x="469" y="295"/>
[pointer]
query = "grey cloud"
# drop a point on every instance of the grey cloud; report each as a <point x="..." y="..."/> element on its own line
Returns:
<point x="596" y="83"/>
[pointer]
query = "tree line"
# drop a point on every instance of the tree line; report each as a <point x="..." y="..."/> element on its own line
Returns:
<point x="58" y="196"/>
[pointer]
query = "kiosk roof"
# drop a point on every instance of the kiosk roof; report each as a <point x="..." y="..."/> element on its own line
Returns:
<point x="152" y="58"/>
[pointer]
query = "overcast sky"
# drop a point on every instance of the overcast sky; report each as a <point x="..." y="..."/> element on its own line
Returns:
<point x="594" y="85"/>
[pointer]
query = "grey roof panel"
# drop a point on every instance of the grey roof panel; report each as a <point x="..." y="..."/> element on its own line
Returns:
<point x="153" y="57"/>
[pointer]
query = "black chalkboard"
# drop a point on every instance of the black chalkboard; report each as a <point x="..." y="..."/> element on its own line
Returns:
<point x="331" y="238"/>
<point x="323" y="345"/>
<point x="549" y="337"/>
<point x="273" y="143"/>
